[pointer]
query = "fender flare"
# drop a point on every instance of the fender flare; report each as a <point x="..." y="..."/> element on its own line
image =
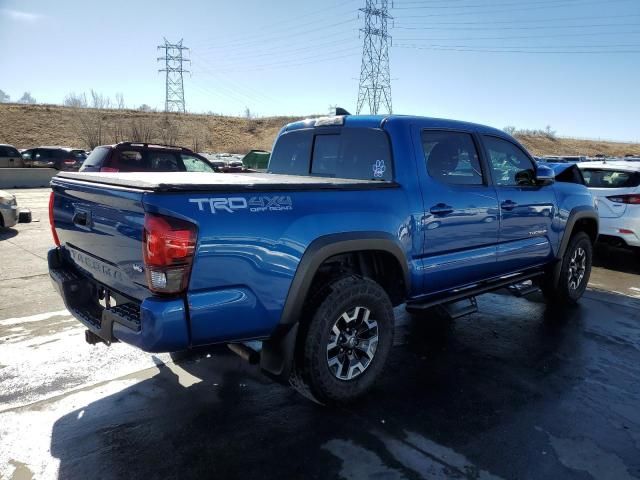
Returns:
<point x="578" y="213"/>
<point x="277" y="352"/>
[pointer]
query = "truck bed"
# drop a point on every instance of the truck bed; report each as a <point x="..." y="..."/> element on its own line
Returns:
<point x="203" y="181"/>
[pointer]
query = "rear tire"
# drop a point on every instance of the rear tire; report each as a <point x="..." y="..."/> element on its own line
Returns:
<point x="343" y="349"/>
<point x="575" y="271"/>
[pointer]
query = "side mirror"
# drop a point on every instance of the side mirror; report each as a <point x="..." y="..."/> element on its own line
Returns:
<point x="545" y="175"/>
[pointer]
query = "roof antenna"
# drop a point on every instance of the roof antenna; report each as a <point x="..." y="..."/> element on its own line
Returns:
<point x="341" y="111"/>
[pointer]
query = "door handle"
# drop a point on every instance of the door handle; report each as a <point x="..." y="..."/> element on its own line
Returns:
<point x="441" y="209"/>
<point x="508" y="205"/>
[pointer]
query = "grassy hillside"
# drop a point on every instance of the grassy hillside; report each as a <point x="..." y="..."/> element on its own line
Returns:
<point x="33" y="125"/>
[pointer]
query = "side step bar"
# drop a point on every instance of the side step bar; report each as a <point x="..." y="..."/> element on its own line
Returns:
<point x="472" y="291"/>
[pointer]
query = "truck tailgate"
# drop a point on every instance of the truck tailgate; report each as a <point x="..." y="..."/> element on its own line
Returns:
<point x="100" y="232"/>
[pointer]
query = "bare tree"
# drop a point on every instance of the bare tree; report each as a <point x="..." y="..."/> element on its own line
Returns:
<point x="145" y="108"/>
<point x="118" y="133"/>
<point x="168" y="132"/>
<point x="510" y="130"/>
<point x="4" y="98"/>
<point x="99" y="101"/>
<point x="27" y="98"/>
<point x="75" y="100"/>
<point x="120" y="101"/>
<point x="90" y="127"/>
<point x="141" y="130"/>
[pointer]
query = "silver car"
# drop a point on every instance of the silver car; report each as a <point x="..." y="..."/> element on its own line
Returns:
<point x="10" y="214"/>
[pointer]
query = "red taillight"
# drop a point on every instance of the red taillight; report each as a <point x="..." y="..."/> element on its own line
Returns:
<point x="633" y="199"/>
<point x="69" y="162"/>
<point x="168" y="245"/>
<point x="51" y="221"/>
<point x="109" y="169"/>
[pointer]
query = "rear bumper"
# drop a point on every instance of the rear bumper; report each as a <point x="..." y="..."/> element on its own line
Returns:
<point x="626" y="227"/>
<point x="154" y="325"/>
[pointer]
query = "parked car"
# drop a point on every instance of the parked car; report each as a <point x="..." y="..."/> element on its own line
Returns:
<point x="616" y="186"/>
<point x="60" y="158"/>
<point x="10" y="213"/>
<point x="235" y="166"/>
<point x="311" y="257"/>
<point x="144" y="157"/>
<point x="10" y="157"/>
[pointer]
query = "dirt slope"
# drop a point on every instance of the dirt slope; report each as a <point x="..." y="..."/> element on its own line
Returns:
<point x="34" y="125"/>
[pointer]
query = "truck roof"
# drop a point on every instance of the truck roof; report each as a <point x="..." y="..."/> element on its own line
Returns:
<point x="377" y="121"/>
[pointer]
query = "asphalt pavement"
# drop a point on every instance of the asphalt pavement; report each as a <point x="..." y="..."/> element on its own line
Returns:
<point x="517" y="390"/>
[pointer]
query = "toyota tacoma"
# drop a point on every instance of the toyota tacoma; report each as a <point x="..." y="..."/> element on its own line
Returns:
<point x="355" y="215"/>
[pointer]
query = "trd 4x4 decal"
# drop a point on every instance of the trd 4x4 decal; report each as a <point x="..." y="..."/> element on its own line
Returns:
<point x="264" y="203"/>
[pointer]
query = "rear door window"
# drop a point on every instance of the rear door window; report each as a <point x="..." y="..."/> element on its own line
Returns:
<point x="605" y="178"/>
<point x="452" y="158"/>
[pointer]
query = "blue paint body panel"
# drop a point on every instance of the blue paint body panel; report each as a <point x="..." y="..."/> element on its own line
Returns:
<point x="246" y="260"/>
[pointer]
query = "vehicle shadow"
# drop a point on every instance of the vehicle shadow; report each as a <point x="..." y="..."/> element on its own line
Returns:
<point x="618" y="259"/>
<point x="452" y="382"/>
<point x="7" y="233"/>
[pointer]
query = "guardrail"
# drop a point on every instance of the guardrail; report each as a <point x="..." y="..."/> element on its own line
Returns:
<point x="26" y="177"/>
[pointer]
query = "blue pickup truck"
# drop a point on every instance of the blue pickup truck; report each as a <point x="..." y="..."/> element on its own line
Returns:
<point x="356" y="215"/>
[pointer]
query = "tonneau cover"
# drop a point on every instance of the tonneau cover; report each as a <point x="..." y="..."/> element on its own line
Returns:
<point x="195" y="181"/>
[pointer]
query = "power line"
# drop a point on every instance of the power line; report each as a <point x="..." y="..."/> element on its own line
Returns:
<point x="518" y="22"/>
<point x="283" y="52"/>
<point x="484" y="5"/>
<point x="375" y="77"/>
<point x="174" y="83"/>
<point x="287" y="36"/>
<point x="295" y="19"/>
<point x="517" y="37"/>
<point x="518" y="9"/>
<point x="536" y="27"/>
<point x="513" y="50"/>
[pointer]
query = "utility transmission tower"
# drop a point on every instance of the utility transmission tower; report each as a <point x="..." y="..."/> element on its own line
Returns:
<point x="173" y="67"/>
<point x="375" y="78"/>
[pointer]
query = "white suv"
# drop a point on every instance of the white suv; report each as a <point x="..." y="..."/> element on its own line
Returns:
<point x="616" y="187"/>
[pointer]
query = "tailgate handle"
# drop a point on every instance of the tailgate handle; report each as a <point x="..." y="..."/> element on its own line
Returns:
<point x="81" y="218"/>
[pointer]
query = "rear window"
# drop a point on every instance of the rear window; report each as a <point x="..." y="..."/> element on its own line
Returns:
<point x="96" y="157"/>
<point x="353" y="153"/>
<point x="605" y="178"/>
<point x="9" y="152"/>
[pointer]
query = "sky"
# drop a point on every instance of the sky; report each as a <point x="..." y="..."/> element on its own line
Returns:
<point x="570" y="64"/>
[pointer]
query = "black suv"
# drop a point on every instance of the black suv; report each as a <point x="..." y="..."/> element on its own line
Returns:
<point x="60" y="158"/>
<point x="144" y="157"/>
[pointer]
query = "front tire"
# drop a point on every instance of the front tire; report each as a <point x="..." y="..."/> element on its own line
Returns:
<point x="347" y="340"/>
<point x="569" y="286"/>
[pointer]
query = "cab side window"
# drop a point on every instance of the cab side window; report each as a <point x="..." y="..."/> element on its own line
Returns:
<point x="452" y="158"/>
<point x="510" y="166"/>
